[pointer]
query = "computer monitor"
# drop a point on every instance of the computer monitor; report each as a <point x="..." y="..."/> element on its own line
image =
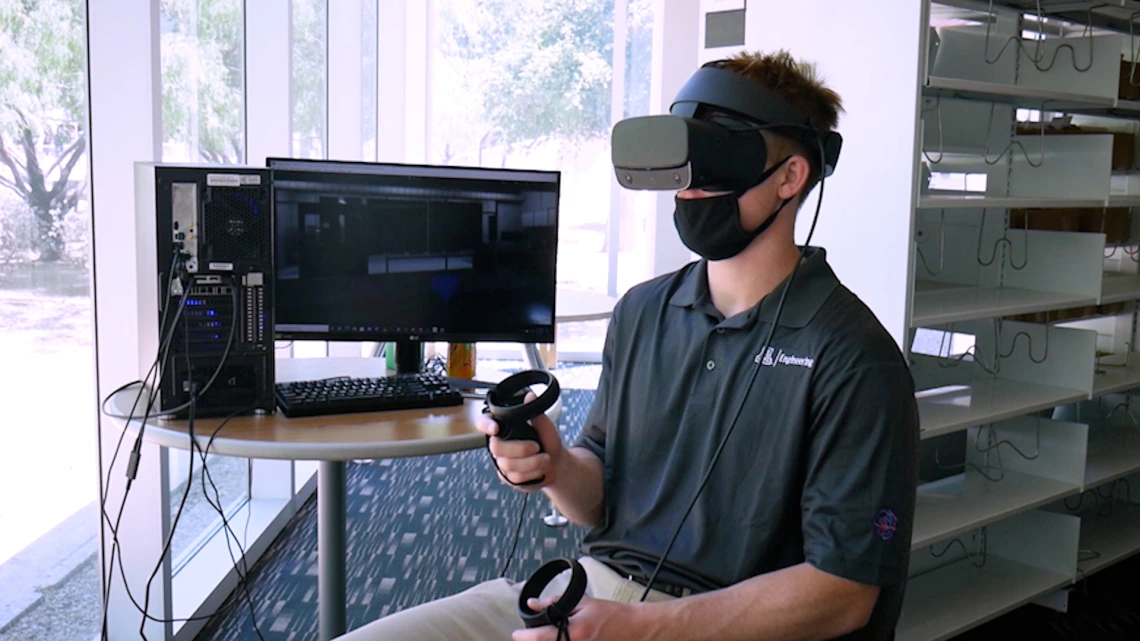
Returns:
<point x="411" y="253"/>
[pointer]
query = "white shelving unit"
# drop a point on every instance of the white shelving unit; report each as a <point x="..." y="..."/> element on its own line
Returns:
<point x="943" y="515"/>
<point x="1021" y="96"/>
<point x="919" y="222"/>
<point x="1117" y="379"/>
<point x="1119" y="287"/>
<point x="976" y="201"/>
<point x="935" y="305"/>
<point x="1112" y="454"/>
<point x="947" y="602"/>
<point x="1022" y="558"/>
<point x="957" y="407"/>
<point x="1113" y="532"/>
<point x="987" y="492"/>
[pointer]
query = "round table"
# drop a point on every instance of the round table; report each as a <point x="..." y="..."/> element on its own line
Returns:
<point x="332" y="440"/>
<point x="575" y="305"/>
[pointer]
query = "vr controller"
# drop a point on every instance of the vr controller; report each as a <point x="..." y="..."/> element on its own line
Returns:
<point x="506" y="404"/>
<point x="693" y="148"/>
<point x="557" y="613"/>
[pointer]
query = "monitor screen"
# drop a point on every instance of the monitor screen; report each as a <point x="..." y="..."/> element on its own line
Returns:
<point x="392" y="252"/>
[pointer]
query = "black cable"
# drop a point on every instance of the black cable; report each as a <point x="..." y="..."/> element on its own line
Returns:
<point x="225" y="353"/>
<point x="751" y="380"/>
<point x="162" y="352"/>
<point x="189" y="480"/>
<point x="242" y="572"/>
<point x="518" y="529"/>
<point x="227" y="603"/>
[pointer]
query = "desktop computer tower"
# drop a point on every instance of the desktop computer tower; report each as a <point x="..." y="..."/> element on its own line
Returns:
<point x="205" y="243"/>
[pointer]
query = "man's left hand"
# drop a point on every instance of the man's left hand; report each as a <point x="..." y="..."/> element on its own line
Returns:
<point x="592" y="620"/>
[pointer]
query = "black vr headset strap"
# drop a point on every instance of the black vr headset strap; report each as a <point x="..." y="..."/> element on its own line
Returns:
<point x="714" y="85"/>
<point x="717" y="87"/>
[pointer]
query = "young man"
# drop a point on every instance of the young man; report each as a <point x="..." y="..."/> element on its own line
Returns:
<point x="803" y="529"/>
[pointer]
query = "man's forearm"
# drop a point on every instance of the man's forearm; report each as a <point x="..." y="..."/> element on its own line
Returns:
<point x="577" y="490"/>
<point x="799" y="603"/>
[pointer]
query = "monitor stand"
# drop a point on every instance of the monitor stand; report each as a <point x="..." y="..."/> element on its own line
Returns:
<point x="409" y="357"/>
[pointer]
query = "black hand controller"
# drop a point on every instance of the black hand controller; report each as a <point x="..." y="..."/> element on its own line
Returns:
<point x="558" y="613"/>
<point x="506" y="403"/>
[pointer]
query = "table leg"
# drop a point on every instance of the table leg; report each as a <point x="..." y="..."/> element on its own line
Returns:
<point x="555" y="518"/>
<point x="534" y="358"/>
<point x="331" y="549"/>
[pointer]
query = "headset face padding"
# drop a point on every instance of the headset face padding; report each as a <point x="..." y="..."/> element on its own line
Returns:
<point x="558" y="612"/>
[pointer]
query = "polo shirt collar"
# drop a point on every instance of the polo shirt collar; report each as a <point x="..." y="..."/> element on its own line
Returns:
<point x="814" y="282"/>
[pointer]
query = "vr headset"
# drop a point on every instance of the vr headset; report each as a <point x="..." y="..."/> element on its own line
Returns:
<point x="711" y="138"/>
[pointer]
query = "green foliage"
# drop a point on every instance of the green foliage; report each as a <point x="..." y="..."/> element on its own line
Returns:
<point x="544" y="66"/>
<point x="42" y="120"/>
<point x="309" y="81"/>
<point x="202" y="50"/>
<point x="531" y="70"/>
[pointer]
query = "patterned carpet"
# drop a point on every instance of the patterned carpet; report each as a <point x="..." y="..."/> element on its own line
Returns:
<point x="428" y="527"/>
<point x="418" y="529"/>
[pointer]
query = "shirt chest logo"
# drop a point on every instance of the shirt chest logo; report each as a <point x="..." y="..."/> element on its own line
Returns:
<point x="773" y="357"/>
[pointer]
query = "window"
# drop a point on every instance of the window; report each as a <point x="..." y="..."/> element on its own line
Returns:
<point x="203" y="76"/>
<point x="531" y="84"/>
<point x="48" y="513"/>
<point x="310" y="78"/>
<point x="943" y="343"/>
<point x="369" y="76"/>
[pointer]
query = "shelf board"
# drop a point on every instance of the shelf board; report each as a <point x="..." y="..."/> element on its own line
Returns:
<point x="1114" y="535"/>
<point x="948" y="409"/>
<point x="1111" y="379"/>
<point x="980" y="201"/>
<point x="935" y="304"/>
<point x="950" y="600"/>
<point x="1119" y="287"/>
<point x="1111" y="455"/>
<point x="1031" y="97"/>
<point x="968" y="501"/>
<point x="1124" y="200"/>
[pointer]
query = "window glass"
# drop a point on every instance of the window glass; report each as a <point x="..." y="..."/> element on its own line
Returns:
<point x="529" y="84"/>
<point x="310" y="78"/>
<point x="49" y="507"/>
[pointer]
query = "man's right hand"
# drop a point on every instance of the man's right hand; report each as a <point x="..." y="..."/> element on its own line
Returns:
<point x="520" y="461"/>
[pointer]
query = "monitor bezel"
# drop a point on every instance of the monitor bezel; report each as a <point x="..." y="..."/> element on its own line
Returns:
<point x="544" y="335"/>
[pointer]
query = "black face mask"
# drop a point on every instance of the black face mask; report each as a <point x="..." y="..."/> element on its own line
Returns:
<point x="711" y="226"/>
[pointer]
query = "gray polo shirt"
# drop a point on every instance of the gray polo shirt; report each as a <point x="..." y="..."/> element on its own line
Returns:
<point x="821" y="466"/>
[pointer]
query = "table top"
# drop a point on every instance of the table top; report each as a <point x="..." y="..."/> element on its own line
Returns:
<point x="574" y="305"/>
<point x="339" y="437"/>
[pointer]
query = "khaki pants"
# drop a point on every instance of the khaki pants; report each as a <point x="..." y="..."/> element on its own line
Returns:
<point x="488" y="611"/>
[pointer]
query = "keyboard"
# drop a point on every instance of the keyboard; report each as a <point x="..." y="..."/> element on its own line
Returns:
<point x="347" y="395"/>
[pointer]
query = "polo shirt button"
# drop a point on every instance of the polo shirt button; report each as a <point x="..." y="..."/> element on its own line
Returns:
<point x="720" y="330"/>
<point x="709" y="365"/>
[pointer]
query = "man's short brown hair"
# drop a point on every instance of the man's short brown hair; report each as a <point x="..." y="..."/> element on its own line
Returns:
<point x="798" y="83"/>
